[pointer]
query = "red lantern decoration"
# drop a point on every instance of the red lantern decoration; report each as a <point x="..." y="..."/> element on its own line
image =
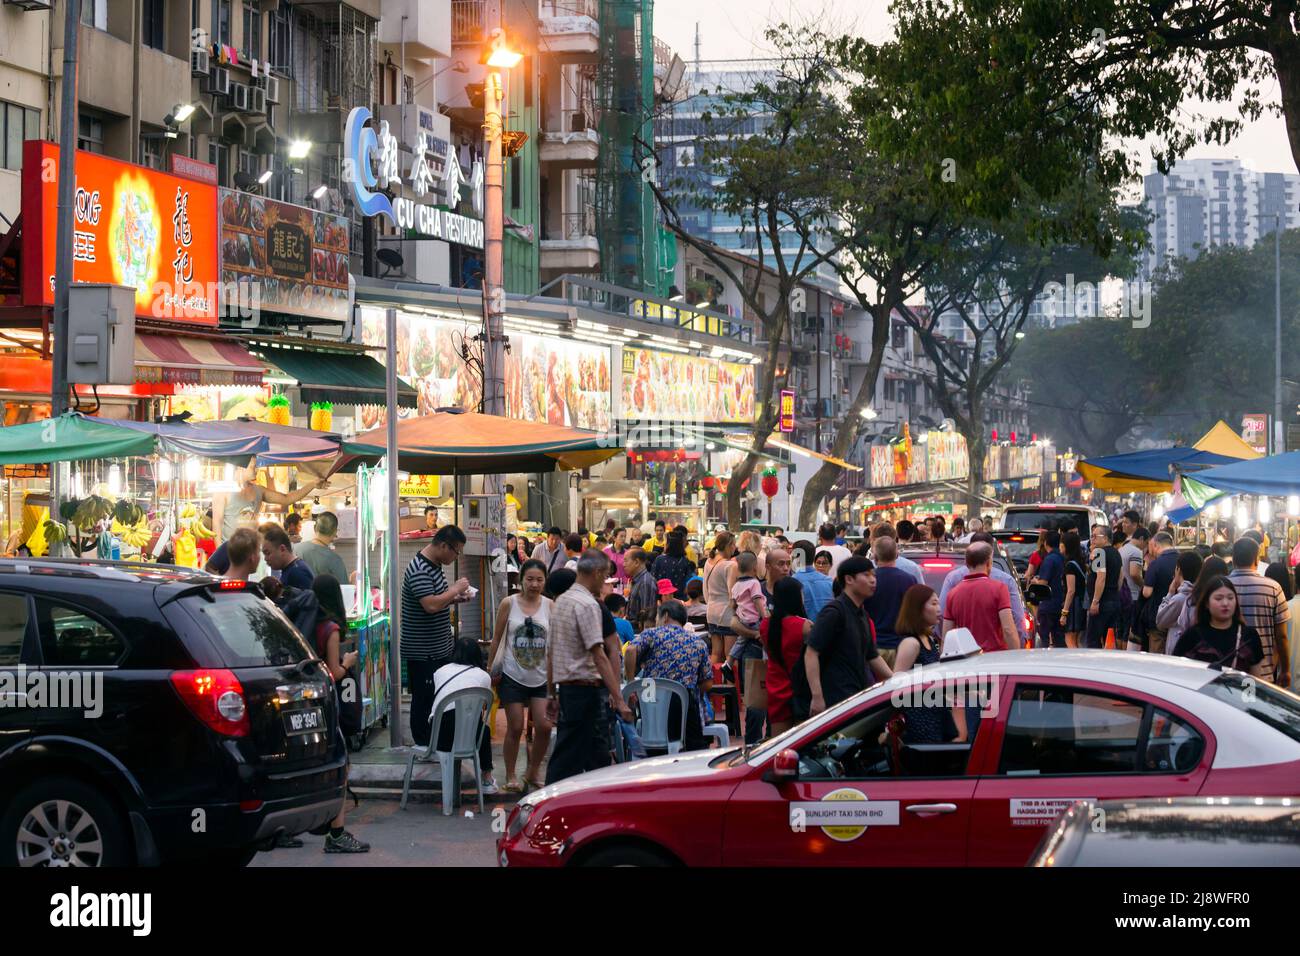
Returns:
<point x="707" y="482"/>
<point x="770" y="484"/>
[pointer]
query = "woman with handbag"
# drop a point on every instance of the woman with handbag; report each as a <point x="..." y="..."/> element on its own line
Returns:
<point x="329" y="627"/>
<point x="717" y="594"/>
<point x="518" y="655"/>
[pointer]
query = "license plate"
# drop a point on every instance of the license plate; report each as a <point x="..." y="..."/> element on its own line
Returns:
<point x="304" y="721"/>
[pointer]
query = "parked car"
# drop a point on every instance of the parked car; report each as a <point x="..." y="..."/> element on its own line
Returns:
<point x="845" y="788"/>
<point x="1055" y="517"/>
<point x="216" y="728"/>
<point x="1213" y="832"/>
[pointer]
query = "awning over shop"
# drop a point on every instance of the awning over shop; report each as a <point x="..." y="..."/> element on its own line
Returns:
<point x="345" y="378"/>
<point x="469" y="443"/>
<point x="287" y="445"/>
<point x="71" y="437"/>
<point x="204" y="439"/>
<point x="191" y="360"/>
<point x="1276" y="475"/>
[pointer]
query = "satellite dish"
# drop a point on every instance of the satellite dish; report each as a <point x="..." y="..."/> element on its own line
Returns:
<point x="390" y="258"/>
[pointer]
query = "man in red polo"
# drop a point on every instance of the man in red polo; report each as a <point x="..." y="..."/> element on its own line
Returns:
<point x="982" y="605"/>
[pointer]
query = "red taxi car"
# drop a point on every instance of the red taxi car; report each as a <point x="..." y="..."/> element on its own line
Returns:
<point x="844" y="788"/>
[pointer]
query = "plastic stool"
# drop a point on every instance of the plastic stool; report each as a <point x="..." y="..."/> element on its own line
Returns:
<point x="720" y="732"/>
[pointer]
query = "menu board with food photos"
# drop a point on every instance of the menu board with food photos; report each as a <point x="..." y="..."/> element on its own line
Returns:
<point x="298" y="256"/>
<point x="552" y="380"/>
<point x="662" y="386"/>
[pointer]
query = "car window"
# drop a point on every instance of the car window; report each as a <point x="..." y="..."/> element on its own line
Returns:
<point x="1056" y="730"/>
<point x="1173" y="745"/>
<point x="250" y="631"/>
<point x="1033" y="519"/>
<point x="888" y="741"/>
<point x="1261" y="700"/>
<point x="73" y="638"/>
<point x="13" y="628"/>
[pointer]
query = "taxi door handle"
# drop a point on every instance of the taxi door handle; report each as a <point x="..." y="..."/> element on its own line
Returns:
<point x="931" y="809"/>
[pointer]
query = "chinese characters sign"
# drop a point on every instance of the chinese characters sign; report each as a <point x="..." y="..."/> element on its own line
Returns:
<point x="787" y="409"/>
<point x="298" y="256"/>
<point x="372" y="162"/>
<point x="133" y="226"/>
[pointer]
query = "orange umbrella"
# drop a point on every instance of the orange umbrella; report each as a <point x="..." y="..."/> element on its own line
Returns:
<point x="470" y="443"/>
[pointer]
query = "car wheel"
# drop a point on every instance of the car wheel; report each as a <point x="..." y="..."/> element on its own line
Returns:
<point x="627" y="856"/>
<point x="62" y="822"/>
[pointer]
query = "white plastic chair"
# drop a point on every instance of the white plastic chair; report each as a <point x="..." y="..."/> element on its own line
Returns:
<point x="653" y="695"/>
<point x="720" y="732"/>
<point x="474" y="703"/>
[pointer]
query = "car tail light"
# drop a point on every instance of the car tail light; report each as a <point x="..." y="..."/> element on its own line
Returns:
<point x="946" y="565"/>
<point x="250" y="806"/>
<point x="229" y="585"/>
<point x="216" y="698"/>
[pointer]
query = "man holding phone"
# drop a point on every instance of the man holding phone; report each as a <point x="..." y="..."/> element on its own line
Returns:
<point x="426" y="640"/>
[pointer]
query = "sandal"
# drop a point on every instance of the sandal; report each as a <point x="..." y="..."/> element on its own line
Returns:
<point x="531" y="785"/>
<point x="513" y="786"/>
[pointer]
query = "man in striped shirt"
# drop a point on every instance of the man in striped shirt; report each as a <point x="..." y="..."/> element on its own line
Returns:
<point x="427" y="642"/>
<point x="1263" y="607"/>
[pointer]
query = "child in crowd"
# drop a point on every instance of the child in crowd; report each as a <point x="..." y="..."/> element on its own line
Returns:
<point x="616" y="604"/>
<point x="747" y="601"/>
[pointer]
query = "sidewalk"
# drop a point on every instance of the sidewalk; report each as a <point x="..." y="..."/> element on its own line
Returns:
<point x="379" y="768"/>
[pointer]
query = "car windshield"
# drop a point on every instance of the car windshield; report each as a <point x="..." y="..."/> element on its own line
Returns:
<point x="249" y="630"/>
<point x="1033" y="519"/>
<point x="1019" y="551"/>
<point x="1266" y="703"/>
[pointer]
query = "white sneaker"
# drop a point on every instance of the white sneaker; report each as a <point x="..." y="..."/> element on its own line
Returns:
<point x="489" y="788"/>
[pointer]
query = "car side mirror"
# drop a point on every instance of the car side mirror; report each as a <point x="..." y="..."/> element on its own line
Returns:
<point x="785" y="766"/>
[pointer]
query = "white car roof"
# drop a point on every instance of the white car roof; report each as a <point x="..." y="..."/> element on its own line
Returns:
<point x="1078" y="663"/>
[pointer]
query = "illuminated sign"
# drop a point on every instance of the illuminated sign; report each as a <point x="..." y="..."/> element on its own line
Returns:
<point x="1254" y="432"/>
<point x="371" y="159"/>
<point x="133" y="226"/>
<point x="787" y="409"/>
<point x="669" y="386"/>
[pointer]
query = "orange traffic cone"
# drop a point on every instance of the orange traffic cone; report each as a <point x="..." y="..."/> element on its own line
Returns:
<point x="1110" y="639"/>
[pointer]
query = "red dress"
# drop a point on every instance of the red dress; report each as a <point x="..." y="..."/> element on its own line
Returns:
<point x="779" y="693"/>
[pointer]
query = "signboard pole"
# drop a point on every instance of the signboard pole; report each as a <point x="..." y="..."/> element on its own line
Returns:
<point x="67" y="197"/>
<point x="394" y="527"/>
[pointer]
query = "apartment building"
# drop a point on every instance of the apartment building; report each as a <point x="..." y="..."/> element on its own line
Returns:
<point x="1203" y="203"/>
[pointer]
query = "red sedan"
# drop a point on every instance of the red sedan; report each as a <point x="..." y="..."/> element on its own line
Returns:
<point x="867" y="783"/>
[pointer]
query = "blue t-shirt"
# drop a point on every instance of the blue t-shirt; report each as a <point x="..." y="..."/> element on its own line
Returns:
<point x="1052" y="570"/>
<point x="891" y="584"/>
<point x="625" y="630"/>
<point x="816" y="590"/>
<point x="296" y="574"/>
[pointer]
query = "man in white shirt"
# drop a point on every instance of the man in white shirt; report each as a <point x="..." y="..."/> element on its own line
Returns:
<point x="826" y="542"/>
<point x="975" y="526"/>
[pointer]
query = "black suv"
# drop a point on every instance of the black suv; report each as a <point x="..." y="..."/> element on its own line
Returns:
<point x="153" y="714"/>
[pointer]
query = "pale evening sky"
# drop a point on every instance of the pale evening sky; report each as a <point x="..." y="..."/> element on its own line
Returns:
<point x="734" y="29"/>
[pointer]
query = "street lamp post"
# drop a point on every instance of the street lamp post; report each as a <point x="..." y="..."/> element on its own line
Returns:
<point x="1279" y="434"/>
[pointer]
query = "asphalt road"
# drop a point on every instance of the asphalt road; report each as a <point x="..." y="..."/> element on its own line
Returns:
<point x="417" y="836"/>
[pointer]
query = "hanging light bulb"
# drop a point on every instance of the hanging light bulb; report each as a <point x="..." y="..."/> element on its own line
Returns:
<point x="115" y="480"/>
<point x="1265" y="510"/>
<point x="228" y="474"/>
<point x="164" y="469"/>
<point x="1243" y="517"/>
<point x="1157" y="511"/>
<point x="192" y="469"/>
<point x="1293" y="505"/>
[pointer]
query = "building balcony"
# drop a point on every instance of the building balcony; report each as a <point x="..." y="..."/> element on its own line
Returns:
<point x="574" y="145"/>
<point x="570" y="30"/>
<point x="575" y="248"/>
<point x="424" y="28"/>
<point x="467" y="18"/>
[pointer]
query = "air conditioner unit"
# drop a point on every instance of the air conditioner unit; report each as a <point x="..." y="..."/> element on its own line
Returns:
<point x="200" y="62"/>
<point x="217" y="82"/>
<point x="238" y="96"/>
<point x="257" y="101"/>
<point x="272" y="86"/>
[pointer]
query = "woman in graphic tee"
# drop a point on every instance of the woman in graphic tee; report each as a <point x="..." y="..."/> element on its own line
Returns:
<point x="518" y="655"/>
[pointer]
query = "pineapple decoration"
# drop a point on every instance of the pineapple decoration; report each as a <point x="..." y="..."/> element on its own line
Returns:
<point x="770" y="484"/>
<point x="277" y="410"/>
<point x="322" y="416"/>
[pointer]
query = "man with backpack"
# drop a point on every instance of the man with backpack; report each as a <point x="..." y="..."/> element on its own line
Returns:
<point x="842" y="645"/>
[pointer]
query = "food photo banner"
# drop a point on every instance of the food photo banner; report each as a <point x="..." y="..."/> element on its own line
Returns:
<point x="669" y="386"/>
<point x="297" y="256"/>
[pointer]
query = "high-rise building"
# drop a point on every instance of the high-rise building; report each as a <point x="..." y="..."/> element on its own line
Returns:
<point x="1203" y="203"/>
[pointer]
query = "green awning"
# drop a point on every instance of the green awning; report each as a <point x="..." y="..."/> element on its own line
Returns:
<point x="71" y="437"/>
<point x="344" y="378"/>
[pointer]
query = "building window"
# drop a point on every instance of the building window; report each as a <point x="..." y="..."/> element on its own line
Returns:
<point x="90" y="133"/>
<point x="17" y="123"/>
<point x="277" y="35"/>
<point x="151" y="150"/>
<point x="252" y="31"/>
<point x="223" y="22"/>
<point x="152" y="30"/>
<point x="516" y="176"/>
<point x="94" y="13"/>
<point x="219" y="156"/>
